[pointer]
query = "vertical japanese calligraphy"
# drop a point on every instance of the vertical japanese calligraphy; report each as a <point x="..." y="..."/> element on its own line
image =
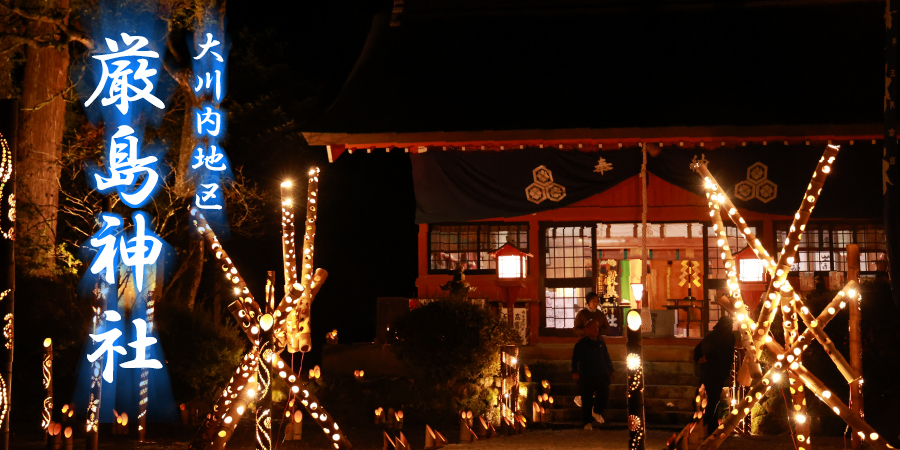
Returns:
<point x="123" y="77"/>
<point x="209" y="166"/>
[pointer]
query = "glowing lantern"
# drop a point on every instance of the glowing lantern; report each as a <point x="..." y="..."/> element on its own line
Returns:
<point x="510" y="262"/>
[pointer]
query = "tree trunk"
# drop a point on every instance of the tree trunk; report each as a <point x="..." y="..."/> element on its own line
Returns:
<point x="41" y="127"/>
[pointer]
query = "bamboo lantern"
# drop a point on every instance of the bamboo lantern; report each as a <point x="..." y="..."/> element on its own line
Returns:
<point x="856" y="398"/>
<point x="391" y="417"/>
<point x="67" y="438"/>
<point x="536" y="412"/>
<point x="493" y="431"/>
<point x="264" y="380"/>
<point x="219" y="425"/>
<point x="144" y="390"/>
<point x="184" y="414"/>
<point x="398" y="423"/>
<point x="388" y="442"/>
<point x="47" y="366"/>
<point x="289" y="254"/>
<point x="297" y="425"/>
<point x="465" y="433"/>
<point x="481" y="428"/>
<point x="379" y="416"/>
<point x="302" y="313"/>
<point x="430" y="438"/>
<point x="521" y="428"/>
<point x="527" y="372"/>
<point x="546" y="385"/>
<point x="54" y="440"/>
<point x="635" y="388"/>
<point x="401" y="442"/>
<point x="331" y="338"/>
<point x="93" y="413"/>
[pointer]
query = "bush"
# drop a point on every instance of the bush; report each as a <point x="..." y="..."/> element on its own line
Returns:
<point x="200" y="353"/>
<point x="453" y="351"/>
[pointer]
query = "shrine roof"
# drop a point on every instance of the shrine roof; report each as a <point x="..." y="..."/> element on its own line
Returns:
<point x="739" y="69"/>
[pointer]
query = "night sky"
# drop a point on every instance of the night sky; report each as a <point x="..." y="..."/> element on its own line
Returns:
<point x="366" y="237"/>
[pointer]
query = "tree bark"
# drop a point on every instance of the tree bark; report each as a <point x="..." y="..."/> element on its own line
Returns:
<point x="41" y="126"/>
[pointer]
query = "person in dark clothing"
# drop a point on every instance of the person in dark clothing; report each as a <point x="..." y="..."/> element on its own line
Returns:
<point x="715" y="354"/>
<point x="590" y="312"/>
<point x="593" y="369"/>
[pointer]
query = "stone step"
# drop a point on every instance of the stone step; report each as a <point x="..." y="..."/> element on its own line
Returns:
<point x="570" y="389"/>
<point x="619" y="401"/>
<point x="620" y="415"/>
<point x="659" y="350"/>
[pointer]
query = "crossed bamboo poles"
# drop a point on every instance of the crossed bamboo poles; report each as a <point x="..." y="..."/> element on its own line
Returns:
<point x="755" y="335"/>
<point x="253" y="376"/>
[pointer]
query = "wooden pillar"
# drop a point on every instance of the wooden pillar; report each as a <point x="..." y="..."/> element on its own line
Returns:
<point x="856" y="397"/>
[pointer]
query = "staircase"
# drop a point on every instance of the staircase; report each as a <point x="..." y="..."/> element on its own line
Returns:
<point x="669" y="389"/>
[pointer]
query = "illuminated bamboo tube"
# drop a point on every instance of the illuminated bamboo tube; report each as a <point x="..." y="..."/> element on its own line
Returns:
<point x="745" y="326"/>
<point x="856" y="397"/>
<point x="773" y="375"/>
<point x="101" y="293"/>
<point x="238" y="402"/>
<point x="293" y="297"/>
<point x="465" y="433"/>
<point x="851" y="289"/>
<point x="782" y="267"/>
<point x="742" y="408"/>
<point x="798" y="396"/>
<point x="839" y="408"/>
<point x="635" y="387"/>
<point x="47" y="369"/>
<point x="205" y="437"/>
<point x="302" y="313"/>
<point x="321" y="416"/>
<point x="288" y="336"/>
<point x="310" y="403"/>
<point x="786" y="290"/>
<point x="818" y="331"/>
<point x="68" y="439"/>
<point x="792" y="241"/>
<point x="247" y="303"/>
<point x="264" y="382"/>
<point x="144" y="388"/>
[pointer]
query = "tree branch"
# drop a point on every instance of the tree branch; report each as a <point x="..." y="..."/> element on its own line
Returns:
<point x="71" y="35"/>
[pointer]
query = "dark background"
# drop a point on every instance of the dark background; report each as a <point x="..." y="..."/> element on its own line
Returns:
<point x="366" y="235"/>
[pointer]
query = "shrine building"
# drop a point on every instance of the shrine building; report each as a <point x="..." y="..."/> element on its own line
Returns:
<point x="526" y="123"/>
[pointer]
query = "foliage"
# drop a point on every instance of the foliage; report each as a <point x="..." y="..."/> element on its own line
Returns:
<point x="201" y="354"/>
<point x="453" y="351"/>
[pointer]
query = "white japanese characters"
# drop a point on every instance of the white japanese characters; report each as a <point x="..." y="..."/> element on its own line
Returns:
<point x="209" y="164"/>
<point x="108" y="346"/>
<point x="126" y="82"/>
<point x="126" y="168"/>
<point x="137" y="251"/>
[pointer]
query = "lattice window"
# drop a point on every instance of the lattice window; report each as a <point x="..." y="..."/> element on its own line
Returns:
<point x="561" y="306"/>
<point x="823" y="247"/>
<point x="736" y="241"/>
<point x="471" y="245"/>
<point x="569" y="252"/>
<point x="493" y="237"/>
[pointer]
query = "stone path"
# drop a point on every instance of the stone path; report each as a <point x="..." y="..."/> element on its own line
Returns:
<point x="618" y="439"/>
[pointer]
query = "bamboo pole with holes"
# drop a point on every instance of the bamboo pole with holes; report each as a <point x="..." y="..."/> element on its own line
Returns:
<point x="856" y="395"/>
<point x="779" y="270"/>
<point x="47" y="372"/>
<point x="737" y="302"/>
<point x="301" y="316"/>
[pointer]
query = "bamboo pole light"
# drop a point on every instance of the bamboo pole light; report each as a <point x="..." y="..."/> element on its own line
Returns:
<point x="755" y="335"/>
<point x="635" y="387"/>
<point x="47" y="366"/>
<point x="244" y="386"/>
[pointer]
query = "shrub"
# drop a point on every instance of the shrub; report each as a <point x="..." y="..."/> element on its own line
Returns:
<point x="453" y="351"/>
